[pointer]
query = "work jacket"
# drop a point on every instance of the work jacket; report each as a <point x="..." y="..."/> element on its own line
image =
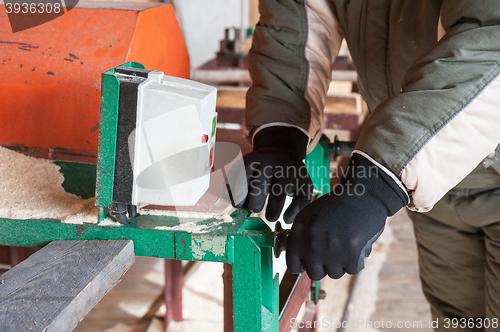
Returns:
<point x="435" y="105"/>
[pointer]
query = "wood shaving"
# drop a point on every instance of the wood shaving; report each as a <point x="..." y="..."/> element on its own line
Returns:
<point x="31" y="188"/>
<point x="225" y="216"/>
<point x="186" y="226"/>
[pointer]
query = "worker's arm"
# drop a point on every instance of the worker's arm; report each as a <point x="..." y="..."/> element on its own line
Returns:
<point x="290" y="62"/>
<point x="294" y="46"/>
<point x="276" y="167"/>
<point x="422" y="142"/>
<point x="447" y="118"/>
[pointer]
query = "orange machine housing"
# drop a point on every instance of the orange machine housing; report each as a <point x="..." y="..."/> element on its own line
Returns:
<point x="50" y="75"/>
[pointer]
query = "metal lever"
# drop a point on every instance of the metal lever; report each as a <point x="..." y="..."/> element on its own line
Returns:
<point x="280" y="239"/>
<point x="339" y="149"/>
<point x="342" y="148"/>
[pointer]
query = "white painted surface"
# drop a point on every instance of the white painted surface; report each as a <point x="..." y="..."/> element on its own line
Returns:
<point x="171" y="162"/>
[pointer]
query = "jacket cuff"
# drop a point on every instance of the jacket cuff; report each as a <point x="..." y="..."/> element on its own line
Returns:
<point x="289" y="138"/>
<point x="375" y="183"/>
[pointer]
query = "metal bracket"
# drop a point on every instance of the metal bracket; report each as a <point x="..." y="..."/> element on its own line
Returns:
<point x="316" y="292"/>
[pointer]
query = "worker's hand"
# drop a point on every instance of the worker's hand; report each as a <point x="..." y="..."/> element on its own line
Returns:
<point x="334" y="234"/>
<point x="276" y="167"/>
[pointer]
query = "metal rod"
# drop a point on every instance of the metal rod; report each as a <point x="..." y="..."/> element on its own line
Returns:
<point x="342" y="148"/>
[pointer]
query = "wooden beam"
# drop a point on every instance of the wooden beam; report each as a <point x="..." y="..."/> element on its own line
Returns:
<point x="294" y="301"/>
<point x="5" y="255"/>
<point x="57" y="286"/>
<point x="227" y="278"/>
<point x="242" y="75"/>
<point x="174" y="279"/>
<point x="19" y="254"/>
<point x="310" y="317"/>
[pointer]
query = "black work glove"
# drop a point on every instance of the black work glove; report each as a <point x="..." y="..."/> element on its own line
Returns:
<point x="334" y="234"/>
<point x="276" y="167"/>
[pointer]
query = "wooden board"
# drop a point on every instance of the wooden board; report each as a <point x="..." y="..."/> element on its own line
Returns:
<point x="337" y="101"/>
<point x="349" y="103"/>
<point x="231" y="97"/>
<point x="57" y="286"/>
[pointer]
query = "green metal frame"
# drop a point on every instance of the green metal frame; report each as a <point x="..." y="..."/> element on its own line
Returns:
<point x="110" y="90"/>
<point x="246" y="242"/>
<point x="318" y="165"/>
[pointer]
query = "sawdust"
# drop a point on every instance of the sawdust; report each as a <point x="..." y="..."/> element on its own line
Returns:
<point x="191" y="227"/>
<point x="225" y="216"/>
<point x="31" y="188"/>
<point x="109" y="222"/>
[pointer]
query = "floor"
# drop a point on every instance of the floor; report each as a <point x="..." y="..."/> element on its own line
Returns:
<point x="124" y="308"/>
<point x="387" y="294"/>
<point x="400" y="297"/>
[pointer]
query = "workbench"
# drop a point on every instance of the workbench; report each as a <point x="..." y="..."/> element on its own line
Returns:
<point x="245" y="242"/>
<point x="50" y="100"/>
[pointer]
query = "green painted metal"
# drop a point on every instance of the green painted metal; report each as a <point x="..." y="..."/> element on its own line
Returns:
<point x="315" y="290"/>
<point x="256" y="289"/>
<point x="79" y="179"/>
<point x="245" y="242"/>
<point x="153" y="236"/>
<point x="132" y="64"/>
<point x="247" y="272"/>
<point x="214" y="125"/>
<point x="110" y="89"/>
<point x="107" y="138"/>
<point x="318" y="165"/>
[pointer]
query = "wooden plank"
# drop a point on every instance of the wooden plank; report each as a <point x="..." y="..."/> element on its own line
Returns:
<point x="231" y="97"/>
<point x="19" y="254"/>
<point x="230" y="115"/>
<point x="227" y="278"/>
<point x="338" y="103"/>
<point x="5" y="255"/>
<point x="310" y="317"/>
<point x="294" y="301"/>
<point x="220" y="75"/>
<point x="174" y="280"/>
<point x="229" y="74"/>
<point x="57" y="286"/>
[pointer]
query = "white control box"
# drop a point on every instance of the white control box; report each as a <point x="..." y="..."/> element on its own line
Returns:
<point x="172" y="146"/>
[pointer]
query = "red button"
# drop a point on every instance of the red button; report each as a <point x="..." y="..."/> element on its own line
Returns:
<point x="204" y="138"/>
<point x="211" y="157"/>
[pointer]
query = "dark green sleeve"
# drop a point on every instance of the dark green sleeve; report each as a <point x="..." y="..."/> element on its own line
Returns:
<point x="438" y="85"/>
<point x="446" y="111"/>
<point x="278" y="66"/>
